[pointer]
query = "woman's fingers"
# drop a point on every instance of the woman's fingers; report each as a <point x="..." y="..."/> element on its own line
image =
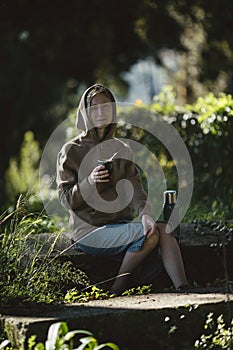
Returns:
<point x="100" y="174"/>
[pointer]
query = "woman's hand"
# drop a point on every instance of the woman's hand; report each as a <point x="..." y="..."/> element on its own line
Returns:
<point x="149" y="225"/>
<point x="98" y="174"/>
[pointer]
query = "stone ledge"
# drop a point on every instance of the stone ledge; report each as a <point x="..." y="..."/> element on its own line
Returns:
<point x="191" y="235"/>
<point x="135" y="322"/>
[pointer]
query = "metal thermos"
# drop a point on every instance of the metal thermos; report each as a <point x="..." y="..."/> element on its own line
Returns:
<point x="170" y="206"/>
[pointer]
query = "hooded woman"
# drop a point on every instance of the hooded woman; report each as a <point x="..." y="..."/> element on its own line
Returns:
<point x="103" y="201"/>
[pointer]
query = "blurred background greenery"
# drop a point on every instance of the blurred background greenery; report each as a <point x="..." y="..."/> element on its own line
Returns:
<point x="183" y="51"/>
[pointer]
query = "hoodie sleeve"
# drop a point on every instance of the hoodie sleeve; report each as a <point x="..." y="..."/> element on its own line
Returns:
<point x="140" y="201"/>
<point x="69" y="190"/>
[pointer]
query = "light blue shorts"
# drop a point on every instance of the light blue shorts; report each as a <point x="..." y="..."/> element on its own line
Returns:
<point x="113" y="239"/>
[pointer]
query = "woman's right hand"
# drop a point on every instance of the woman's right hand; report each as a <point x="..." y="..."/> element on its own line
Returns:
<point x="98" y="174"/>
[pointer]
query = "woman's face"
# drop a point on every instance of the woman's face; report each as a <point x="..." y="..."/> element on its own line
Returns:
<point x="101" y="111"/>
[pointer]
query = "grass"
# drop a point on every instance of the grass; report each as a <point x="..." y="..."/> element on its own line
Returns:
<point x="24" y="275"/>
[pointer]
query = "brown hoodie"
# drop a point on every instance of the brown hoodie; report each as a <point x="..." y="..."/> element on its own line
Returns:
<point x="91" y="206"/>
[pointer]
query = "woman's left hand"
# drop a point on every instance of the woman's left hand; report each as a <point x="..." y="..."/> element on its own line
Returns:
<point x="149" y="225"/>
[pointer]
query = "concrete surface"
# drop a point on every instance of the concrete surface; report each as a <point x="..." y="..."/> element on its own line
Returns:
<point x="128" y="321"/>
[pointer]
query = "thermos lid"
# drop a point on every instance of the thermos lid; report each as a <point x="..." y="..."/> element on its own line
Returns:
<point x="169" y="197"/>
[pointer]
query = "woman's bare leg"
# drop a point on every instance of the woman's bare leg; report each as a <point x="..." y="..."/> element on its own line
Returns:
<point x="131" y="261"/>
<point x="171" y="257"/>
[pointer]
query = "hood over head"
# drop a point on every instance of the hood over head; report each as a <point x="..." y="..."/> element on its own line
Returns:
<point x="83" y="121"/>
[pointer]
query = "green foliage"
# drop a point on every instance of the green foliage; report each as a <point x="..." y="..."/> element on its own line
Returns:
<point x="140" y="290"/>
<point x="25" y="276"/>
<point x="22" y="174"/>
<point x="213" y="112"/>
<point x="165" y="103"/>
<point x="219" y="335"/>
<point x="60" y="338"/>
<point x="34" y="224"/>
<point x="207" y="129"/>
<point x="96" y="293"/>
<point x="207" y="211"/>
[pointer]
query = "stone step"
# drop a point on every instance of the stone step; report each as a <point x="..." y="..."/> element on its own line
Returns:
<point x="191" y="235"/>
<point x="154" y="321"/>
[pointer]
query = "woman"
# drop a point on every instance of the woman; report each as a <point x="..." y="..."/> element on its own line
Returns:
<point x="102" y="205"/>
